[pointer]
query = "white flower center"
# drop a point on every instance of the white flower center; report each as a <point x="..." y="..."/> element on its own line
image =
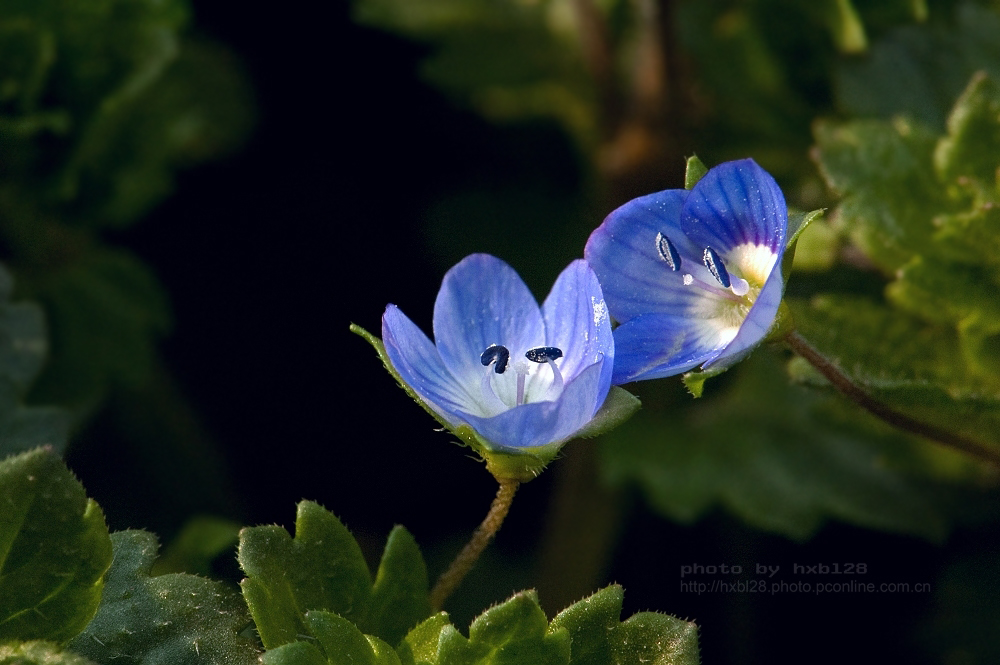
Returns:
<point x="532" y="377"/>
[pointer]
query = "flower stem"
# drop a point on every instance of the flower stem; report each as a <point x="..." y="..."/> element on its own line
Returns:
<point x="466" y="559"/>
<point x="856" y="394"/>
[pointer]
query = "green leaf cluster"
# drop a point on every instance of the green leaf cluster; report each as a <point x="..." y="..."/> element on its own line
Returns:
<point x="71" y="594"/>
<point x="314" y="602"/>
<point x="923" y="210"/>
<point x="322" y="569"/>
<point x="100" y="103"/>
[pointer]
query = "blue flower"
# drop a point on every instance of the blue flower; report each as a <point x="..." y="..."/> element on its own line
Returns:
<point x="516" y="377"/>
<point x="693" y="277"/>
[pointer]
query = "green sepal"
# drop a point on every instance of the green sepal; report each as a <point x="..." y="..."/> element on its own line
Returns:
<point x="694" y="380"/>
<point x="847" y="28"/>
<point x="694" y="171"/>
<point x="798" y="221"/>
<point x="599" y="636"/>
<point x="39" y="652"/>
<point x="175" y="618"/>
<point x="323" y="569"/>
<point x="55" y="550"/>
<point x="619" y="406"/>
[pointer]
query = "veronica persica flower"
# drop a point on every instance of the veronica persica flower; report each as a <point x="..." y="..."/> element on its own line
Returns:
<point x="693" y="277"/>
<point x="510" y="378"/>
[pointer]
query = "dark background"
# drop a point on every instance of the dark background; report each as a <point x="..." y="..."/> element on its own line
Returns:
<point x="319" y="222"/>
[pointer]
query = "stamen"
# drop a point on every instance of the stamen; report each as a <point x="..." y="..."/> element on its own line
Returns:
<point x="714" y="263"/>
<point x="498" y="353"/>
<point x="490" y="395"/>
<point x="543" y="354"/>
<point x="557" y="381"/>
<point x="668" y="252"/>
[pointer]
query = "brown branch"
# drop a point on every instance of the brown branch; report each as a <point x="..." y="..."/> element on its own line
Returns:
<point x="856" y="394"/>
<point x="466" y="559"/>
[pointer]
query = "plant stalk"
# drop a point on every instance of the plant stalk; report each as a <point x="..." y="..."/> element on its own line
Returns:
<point x="466" y="559"/>
<point x="856" y="394"/>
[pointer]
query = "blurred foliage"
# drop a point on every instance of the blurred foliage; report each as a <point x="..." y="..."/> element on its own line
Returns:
<point x="100" y="102"/>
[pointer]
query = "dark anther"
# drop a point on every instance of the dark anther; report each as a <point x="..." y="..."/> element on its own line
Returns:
<point x="714" y="263"/>
<point x="498" y="353"/>
<point x="543" y="354"/>
<point x="668" y="252"/>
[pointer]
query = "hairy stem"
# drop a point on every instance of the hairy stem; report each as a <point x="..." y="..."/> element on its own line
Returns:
<point x="466" y="559"/>
<point x="856" y="394"/>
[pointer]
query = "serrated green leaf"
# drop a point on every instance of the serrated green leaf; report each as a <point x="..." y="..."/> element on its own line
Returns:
<point x="972" y="148"/>
<point x="322" y="568"/>
<point x="54" y="550"/>
<point x="586" y="633"/>
<point x="780" y="457"/>
<point x="344" y="643"/>
<point x="200" y="542"/>
<point x="420" y="646"/>
<point x="176" y="618"/>
<point x="38" y="653"/>
<point x="400" y="597"/>
<point x="619" y="406"/>
<point x="515" y="631"/>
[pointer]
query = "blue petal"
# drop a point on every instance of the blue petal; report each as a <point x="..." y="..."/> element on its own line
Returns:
<point x="577" y="321"/>
<point x="655" y="345"/>
<point x="483" y="301"/>
<point x="623" y="253"/>
<point x="736" y="203"/>
<point x="542" y="423"/>
<point x="420" y="366"/>
<point x="757" y="324"/>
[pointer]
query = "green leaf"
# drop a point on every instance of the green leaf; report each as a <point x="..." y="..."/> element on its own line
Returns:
<point x="344" y="643"/>
<point x="619" y="406"/>
<point x="399" y="597"/>
<point x="781" y="457"/>
<point x="918" y="70"/>
<point x="54" y="550"/>
<point x="694" y="171"/>
<point x="891" y="193"/>
<point x="420" y="646"/>
<point x="515" y="631"/>
<point x="972" y="148"/>
<point x="294" y="653"/>
<point x="38" y="653"/>
<point x="176" y="618"/>
<point x="915" y="367"/>
<point x="508" y="60"/>
<point x="107" y="309"/>
<point x="200" y="542"/>
<point x="586" y="633"/>
<point x="322" y="568"/>
<point x="599" y="638"/>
